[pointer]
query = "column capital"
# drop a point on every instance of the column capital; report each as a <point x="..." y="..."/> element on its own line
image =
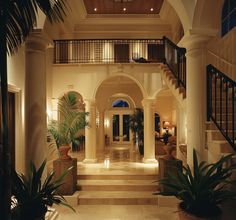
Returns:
<point x="37" y="40"/>
<point x="148" y="102"/>
<point x="193" y="41"/>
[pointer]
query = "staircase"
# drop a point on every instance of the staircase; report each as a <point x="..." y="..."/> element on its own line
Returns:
<point x="174" y="74"/>
<point x="221" y="124"/>
<point x="220" y="128"/>
<point x="134" y="189"/>
<point x="216" y="143"/>
<point x="170" y="80"/>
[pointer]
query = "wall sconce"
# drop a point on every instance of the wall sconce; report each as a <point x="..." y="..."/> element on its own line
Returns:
<point x="106" y="123"/>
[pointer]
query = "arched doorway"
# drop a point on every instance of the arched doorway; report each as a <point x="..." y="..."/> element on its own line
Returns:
<point x="116" y="99"/>
<point x="119" y="115"/>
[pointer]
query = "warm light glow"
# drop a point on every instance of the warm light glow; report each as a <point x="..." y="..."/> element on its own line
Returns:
<point x="151" y="9"/>
<point x="106" y="123"/>
<point x="107" y="52"/>
<point x="107" y="162"/>
<point x="166" y="124"/>
<point x="95" y="9"/>
<point x="49" y="115"/>
<point x="124" y="9"/>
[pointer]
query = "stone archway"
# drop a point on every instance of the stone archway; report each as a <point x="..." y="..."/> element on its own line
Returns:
<point x="109" y="90"/>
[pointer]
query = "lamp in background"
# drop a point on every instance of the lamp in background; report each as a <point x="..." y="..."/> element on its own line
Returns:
<point x="166" y="125"/>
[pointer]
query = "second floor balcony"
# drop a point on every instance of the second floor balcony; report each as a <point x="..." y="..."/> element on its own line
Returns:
<point x="109" y="51"/>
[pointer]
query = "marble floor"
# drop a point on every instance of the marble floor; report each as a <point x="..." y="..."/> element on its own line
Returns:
<point x="116" y="163"/>
<point x="113" y="162"/>
<point x="118" y="212"/>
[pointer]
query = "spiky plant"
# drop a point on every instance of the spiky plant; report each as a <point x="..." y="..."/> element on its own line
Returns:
<point x="31" y="196"/>
<point x="203" y="189"/>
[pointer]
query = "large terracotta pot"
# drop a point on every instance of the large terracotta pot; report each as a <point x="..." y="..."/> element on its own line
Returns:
<point x="168" y="148"/>
<point x="63" y="152"/>
<point x="186" y="216"/>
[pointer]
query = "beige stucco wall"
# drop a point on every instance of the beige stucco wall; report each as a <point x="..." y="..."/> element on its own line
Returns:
<point x="221" y="53"/>
<point x="16" y="82"/>
<point x="86" y="79"/>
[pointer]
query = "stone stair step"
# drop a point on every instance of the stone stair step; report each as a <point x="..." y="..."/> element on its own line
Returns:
<point x="216" y="149"/>
<point x="222" y="146"/>
<point x="117" y="177"/>
<point x="117" y="185"/>
<point x="216" y="135"/>
<point x="213" y="126"/>
<point x="173" y="82"/>
<point x="117" y="198"/>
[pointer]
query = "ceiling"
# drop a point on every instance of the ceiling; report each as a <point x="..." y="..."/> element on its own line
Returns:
<point x="123" y="6"/>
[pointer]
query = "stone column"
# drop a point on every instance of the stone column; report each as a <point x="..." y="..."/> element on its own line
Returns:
<point x="35" y="98"/>
<point x="101" y="140"/>
<point x="149" y="131"/>
<point x="90" y="132"/>
<point x="181" y="129"/>
<point x="196" y="94"/>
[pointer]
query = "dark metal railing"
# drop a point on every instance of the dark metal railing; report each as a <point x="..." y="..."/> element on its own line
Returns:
<point x="108" y="51"/>
<point x="123" y="51"/>
<point x="221" y="103"/>
<point x="176" y="61"/>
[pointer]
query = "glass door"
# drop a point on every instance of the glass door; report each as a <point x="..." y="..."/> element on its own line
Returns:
<point x="116" y="128"/>
<point x="125" y="128"/>
<point x="120" y="128"/>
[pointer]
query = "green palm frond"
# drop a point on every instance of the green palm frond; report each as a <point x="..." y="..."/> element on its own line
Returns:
<point x="21" y="18"/>
<point x="72" y="121"/>
<point x="30" y="191"/>
<point x="203" y="188"/>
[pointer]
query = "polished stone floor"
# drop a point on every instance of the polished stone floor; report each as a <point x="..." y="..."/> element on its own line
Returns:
<point x="118" y="212"/>
<point x="117" y="161"/>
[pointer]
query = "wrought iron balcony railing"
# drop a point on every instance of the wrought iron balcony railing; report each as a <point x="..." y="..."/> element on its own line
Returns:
<point x="108" y="51"/>
<point x="123" y="51"/>
<point x="176" y="61"/>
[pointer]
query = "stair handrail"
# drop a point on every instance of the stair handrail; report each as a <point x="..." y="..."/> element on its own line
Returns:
<point x="221" y="88"/>
<point x="175" y="59"/>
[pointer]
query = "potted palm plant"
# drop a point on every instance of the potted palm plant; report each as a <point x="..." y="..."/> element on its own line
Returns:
<point x="71" y="121"/>
<point x="203" y="189"/>
<point x="136" y="125"/>
<point x="32" y="197"/>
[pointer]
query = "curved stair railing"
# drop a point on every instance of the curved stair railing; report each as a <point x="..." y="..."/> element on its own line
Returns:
<point x="221" y="102"/>
<point x="175" y="59"/>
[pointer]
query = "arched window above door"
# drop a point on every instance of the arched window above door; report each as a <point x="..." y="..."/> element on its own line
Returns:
<point x="120" y="103"/>
<point x="228" y="17"/>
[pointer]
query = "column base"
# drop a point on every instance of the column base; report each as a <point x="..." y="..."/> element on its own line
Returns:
<point x="146" y="160"/>
<point x="90" y="160"/>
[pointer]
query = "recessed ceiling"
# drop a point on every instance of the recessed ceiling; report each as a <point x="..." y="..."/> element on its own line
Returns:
<point x="123" y="6"/>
